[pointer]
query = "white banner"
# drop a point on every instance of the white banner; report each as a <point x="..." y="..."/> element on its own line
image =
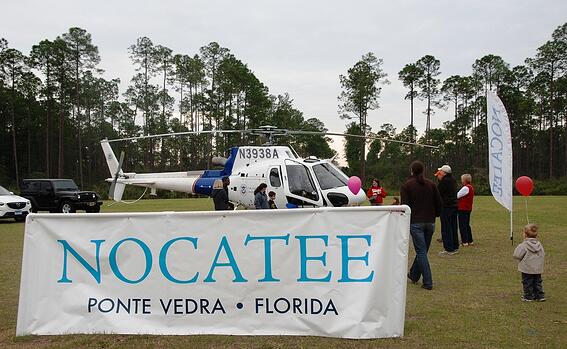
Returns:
<point x="338" y="272"/>
<point x="499" y="151"/>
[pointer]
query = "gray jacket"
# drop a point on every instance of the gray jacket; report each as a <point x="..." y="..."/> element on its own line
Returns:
<point x="261" y="201"/>
<point x="530" y="255"/>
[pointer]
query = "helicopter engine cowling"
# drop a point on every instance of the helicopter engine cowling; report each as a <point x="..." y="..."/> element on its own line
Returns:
<point x="219" y="161"/>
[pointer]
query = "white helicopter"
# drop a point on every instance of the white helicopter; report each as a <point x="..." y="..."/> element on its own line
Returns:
<point x="302" y="182"/>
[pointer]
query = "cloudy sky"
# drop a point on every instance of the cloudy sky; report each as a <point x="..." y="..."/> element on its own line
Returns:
<point x="301" y="47"/>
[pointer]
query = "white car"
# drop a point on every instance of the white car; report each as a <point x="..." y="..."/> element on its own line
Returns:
<point x="13" y="206"/>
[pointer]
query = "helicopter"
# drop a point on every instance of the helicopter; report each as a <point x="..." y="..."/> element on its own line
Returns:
<point x="299" y="182"/>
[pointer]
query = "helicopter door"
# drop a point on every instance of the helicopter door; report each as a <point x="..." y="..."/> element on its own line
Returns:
<point x="299" y="186"/>
<point x="275" y="185"/>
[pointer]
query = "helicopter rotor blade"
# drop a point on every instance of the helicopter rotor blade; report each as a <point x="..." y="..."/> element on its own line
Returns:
<point x="186" y="133"/>
<point x="270" y="132"/>
<point x="320" y="133"/>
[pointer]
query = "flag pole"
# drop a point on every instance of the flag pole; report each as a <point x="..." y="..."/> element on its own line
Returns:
<point x="500" y="169"/>
<point x="511" y="229"/>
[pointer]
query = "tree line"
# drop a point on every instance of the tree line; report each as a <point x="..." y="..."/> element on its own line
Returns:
<point x="534" y="94"/>
<point x="56" y="106"/>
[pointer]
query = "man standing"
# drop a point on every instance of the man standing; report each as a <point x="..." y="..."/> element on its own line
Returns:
<point x="422" y="196"/>
<point x="225" y="184"/>
<point x="448" y="189"/>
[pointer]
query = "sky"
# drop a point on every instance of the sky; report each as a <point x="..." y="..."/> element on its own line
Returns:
<point x="301" y="47"/>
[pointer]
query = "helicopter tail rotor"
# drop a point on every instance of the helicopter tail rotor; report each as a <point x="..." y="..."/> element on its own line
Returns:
<point x="117" y="189"/>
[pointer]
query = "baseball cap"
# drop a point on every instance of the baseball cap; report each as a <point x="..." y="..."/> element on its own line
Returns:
<point x="444" y="168"/>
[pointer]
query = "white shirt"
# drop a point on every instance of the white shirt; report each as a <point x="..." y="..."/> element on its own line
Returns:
<point x="463" y="192"/>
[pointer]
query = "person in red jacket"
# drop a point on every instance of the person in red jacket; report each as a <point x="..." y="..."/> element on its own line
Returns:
<point x="465" y="198"/>
<point x="376" y="193"/>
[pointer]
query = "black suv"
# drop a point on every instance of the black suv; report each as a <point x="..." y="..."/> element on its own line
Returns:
<point x="59" y="195"/>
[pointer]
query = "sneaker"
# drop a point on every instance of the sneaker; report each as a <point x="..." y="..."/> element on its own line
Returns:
<point x="412" y="280"/>
<point x="465" y="244"/>
<point x="448" y="253"/>
<point x="527" y="299"/>
<point x="542" y="299"/>
<point x="429" y="288"/>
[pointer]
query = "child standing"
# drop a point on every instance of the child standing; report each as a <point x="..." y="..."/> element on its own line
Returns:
<point x="272" y="201"/>
<point x="530" y="255"/>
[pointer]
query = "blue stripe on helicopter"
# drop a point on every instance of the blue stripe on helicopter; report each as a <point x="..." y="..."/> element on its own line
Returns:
<point x="204" y="184"/>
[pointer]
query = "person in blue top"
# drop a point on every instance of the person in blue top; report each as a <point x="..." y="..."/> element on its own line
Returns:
<point x="260" y="197"/>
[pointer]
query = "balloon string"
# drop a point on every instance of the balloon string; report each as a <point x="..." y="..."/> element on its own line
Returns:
<point x="527" y="216"/>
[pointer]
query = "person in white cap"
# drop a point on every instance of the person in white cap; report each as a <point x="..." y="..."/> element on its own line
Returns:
<point x="448" y="189"/>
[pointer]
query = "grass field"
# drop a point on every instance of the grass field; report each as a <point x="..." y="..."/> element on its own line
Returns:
<point x="475" y="302"/>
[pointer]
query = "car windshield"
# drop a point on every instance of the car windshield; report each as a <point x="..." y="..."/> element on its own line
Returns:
<point x="3" y="191"/>
<point x="64" y="185"/>
<point x="329" y="177"/>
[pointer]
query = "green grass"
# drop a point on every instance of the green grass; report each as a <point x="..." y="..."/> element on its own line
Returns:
<point x="475" y="302"/>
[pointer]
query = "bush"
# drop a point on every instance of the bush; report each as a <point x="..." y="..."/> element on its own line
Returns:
<point x="555" y="186"/>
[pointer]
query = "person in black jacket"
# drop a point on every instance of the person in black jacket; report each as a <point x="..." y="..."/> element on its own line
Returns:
<point x="220" y="196"/>
<point x="422" y="196"/>
<point x="225" y="184"/>
<point x="272" y="201"/>
<point x="448" y="189"/>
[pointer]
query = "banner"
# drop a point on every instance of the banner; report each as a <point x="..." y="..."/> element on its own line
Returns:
<point x="338" y="272"/>
<point x="499" y="151"/>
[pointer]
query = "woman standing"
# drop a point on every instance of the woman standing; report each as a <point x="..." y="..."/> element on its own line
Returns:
<point x="376" y="193"/>
<point x="465" y="198"/>
<point x="260" y="197"/>
<point x="220" y="196"/>
<point x="422" y="196"/>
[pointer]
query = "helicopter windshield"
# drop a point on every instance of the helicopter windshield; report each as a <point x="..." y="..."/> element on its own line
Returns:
<point x="329" y="177"/>
<point x="300" y="181"/>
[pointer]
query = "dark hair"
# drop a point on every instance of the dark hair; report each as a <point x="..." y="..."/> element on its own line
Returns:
<point x="417" y="171"/>
<point x="272" y="193"/>
<point x="376" y="180"/>
<point x="260" y="187"/>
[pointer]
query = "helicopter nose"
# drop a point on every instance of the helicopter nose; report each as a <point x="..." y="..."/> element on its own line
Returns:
<point x="358" y="198"/>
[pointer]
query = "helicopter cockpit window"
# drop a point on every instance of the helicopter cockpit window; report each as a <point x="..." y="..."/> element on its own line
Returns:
<point x="300" y="181"/>
<point x="275" y="180"/>
<point x="329" y="177"/>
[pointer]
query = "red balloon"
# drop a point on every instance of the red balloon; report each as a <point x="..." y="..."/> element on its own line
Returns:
<point x="524" y="185"/>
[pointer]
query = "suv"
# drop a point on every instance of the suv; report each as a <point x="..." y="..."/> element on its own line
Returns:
<point x="59" y="195"/>
<point x="13" y="206"/>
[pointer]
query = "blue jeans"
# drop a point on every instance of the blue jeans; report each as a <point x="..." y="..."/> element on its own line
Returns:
<point x="449" y="229"/>
<point x="421" y="234"/>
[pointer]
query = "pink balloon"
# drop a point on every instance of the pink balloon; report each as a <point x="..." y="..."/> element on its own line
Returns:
<point x="354" y="184"/>
<point x="524" y="185"/>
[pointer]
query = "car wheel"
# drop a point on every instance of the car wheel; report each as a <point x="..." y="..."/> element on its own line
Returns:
<point x="66" y="207"/>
